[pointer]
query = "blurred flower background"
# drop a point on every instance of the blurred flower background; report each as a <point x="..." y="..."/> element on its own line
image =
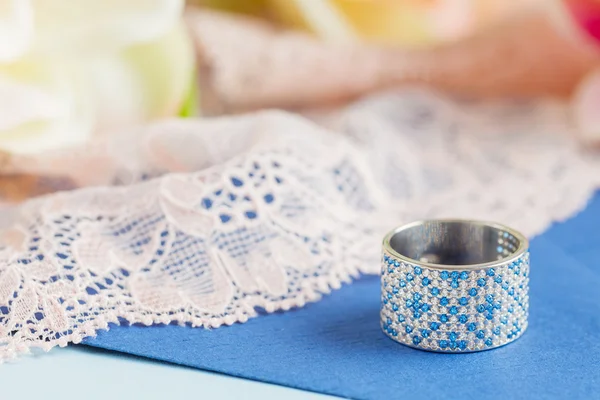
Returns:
<point x="71" y="70"/>
<point x="407" y="23"/>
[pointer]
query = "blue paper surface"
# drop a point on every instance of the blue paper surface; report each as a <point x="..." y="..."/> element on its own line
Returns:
<point x="335" y="346"/>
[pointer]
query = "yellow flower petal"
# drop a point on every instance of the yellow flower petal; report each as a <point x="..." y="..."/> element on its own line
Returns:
<point x="252" y="7"/>
<point x="385" y="21"/>
<point x="323" y="17"/>
<point x="319" y="16"/>
<point x="391" y="22"/>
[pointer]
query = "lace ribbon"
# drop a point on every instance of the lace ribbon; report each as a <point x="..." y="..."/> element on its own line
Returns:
<point x="270" y="210"/>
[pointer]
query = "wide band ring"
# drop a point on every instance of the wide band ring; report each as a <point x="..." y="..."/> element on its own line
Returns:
<point x="454" y="286"/>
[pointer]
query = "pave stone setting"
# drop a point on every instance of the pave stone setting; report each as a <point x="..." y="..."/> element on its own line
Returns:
<point x="454" y="310"/>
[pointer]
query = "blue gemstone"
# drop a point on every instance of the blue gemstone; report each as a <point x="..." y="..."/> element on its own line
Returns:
<point x="444" y="318"/>
<point x="443" y="344"/>
<point x="396" y="263"/>
<point x="473" y="292"/>
<point x="237" y="182"/>
<point x="444" y="301"/>
<point x="453" y="345"/>
<point x="503" y="320"/>
<point x="388" y="320"/>
<point x="394" y="332"/>
<point x="481" y="282"/>
<point x="463" y="319"/>
<point x="453" y="310"/>
<point x="472" y="326"/>
<point x="454" y="275"/>
<point x="488" y="342"/>
<point x="490" y="307"/>
<point x="401" y="318"/>
<point x="417" y="296"/>
<point x="425" y="307"/>
<point x="417" y="270"/>
<point x="491" y="272"/>
<point x="499" y="249"/>
<point x="511" y="291"/>
<point x="425" y="333"/>
<point x="511" y="309"/>
<point x="390" y="270"/>
<point x="409" y="303"/>
<point x="408" y="329"/>
<point x="416" y="340"/>
<point x="480" y="334"/>
<point x="462" y="344"/>
<point x="498" y="279"/>
<point x="426" y="281"/>
<point x="489" y="298"/>
<point x="489" y="317"/>
<point x="395" y="290"/>
<point x="402" y="283"/>
<point x="395" y="307"/>
<point x="464" y="275"/>
<point x="444" y="275"/>
<point x="385" y="301"/>
<point x="434" y="326"/>
<point x="505" y="286"/>
<point x="463" y="301"/>
<point x="389" y="296"/>
<point x="497" y="306"/>
<point x="435" y="291"/>
<point x="417" y="315"/>
<point x="454" y="284"/>
<point x="480" y="308"/>
<point x="496" y="330"/>
<point x="409" y="277"/>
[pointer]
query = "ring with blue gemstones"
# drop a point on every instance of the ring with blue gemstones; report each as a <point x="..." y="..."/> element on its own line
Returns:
<point x="454" y="285"/>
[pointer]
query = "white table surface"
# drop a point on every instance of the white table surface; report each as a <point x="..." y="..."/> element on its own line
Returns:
<point x="80" y="372"/>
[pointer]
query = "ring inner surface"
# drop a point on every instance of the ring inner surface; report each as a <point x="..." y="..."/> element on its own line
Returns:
<point x="454" y="243"/>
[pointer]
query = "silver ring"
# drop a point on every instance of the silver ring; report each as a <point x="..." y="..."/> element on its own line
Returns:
<point x="454" y="286"/>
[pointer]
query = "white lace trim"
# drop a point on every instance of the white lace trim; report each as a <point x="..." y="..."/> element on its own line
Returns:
<point x="272" y="211"/>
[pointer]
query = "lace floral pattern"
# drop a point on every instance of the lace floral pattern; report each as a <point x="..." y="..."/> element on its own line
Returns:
<point x="271" y="210"/>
